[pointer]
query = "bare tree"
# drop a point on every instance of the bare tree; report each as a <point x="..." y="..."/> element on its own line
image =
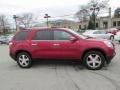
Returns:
<point x="91" y="10"/>
<point x="117" y="13"/>
<point x="93" y="6"/>
<point x="82" y="14"/>
<point x="4" y="24"/>
<point x="25" y="20"/>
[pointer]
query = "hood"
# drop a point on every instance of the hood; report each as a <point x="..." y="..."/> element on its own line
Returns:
<point x="95" y="39"/>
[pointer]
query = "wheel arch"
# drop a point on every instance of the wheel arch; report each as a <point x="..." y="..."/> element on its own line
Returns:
<point x="112" y="36"/>
<point x="19" y="51"/>
<point x="94" y="49"/>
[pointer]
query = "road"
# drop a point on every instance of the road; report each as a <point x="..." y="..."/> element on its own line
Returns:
<point x="56" y="76"/>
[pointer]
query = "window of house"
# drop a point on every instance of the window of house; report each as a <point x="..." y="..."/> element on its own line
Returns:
<point x="84" y="26"/>
<point x="118" y="23"/>
<point x="114" y="23"/>
<point x="69" y="27"/>
<point x="79" y="26"/>
<point x="105" y="25"/>
<point x="97" y="25"/>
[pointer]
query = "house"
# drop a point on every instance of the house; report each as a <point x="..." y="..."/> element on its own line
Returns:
<point x="64" y="24"/>
<point x="102" y="23"/>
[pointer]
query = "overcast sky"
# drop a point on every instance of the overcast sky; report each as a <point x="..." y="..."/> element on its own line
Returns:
<point x="18" y="6"/>
<point x="40" y="7"/>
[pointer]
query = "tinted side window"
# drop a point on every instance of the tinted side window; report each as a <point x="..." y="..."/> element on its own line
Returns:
<point x="96" y="32"/>
<point x="103" y="32"/>
<point x="43" y="35"/>
<point x="62" y="35"/>
<point x="21" y="35"/>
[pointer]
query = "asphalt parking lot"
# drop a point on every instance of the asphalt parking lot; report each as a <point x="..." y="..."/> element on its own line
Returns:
<point x="55" y="76"/>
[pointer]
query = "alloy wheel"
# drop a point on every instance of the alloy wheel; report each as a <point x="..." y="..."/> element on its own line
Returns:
<point x="23" y="60"/>
<point x="94" y="60"/>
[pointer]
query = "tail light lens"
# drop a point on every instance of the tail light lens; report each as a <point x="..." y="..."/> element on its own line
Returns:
<point x="10" y="43"/>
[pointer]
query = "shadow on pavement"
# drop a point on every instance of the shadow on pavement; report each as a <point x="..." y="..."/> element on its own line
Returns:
<point x="54" y="62"/>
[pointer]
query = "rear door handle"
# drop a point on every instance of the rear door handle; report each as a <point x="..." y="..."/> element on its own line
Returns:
<point x="34" y="44"/>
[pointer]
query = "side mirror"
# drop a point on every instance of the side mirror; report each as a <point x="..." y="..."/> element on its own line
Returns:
<point x="73" y="39"/>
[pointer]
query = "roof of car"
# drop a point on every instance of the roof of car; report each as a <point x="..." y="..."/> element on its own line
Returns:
<point x="29" y="29"/>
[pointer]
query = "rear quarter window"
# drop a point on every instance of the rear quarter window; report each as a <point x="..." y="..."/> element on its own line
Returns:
<point x="21" y="35"/>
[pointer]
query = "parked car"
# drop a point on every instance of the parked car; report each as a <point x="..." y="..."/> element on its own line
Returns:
<point x="9" y="38"/>
<point x="117" y="36"/>
<point x="3" y="40"/>
<point x="102" y="34"/>
<point x="60" y="43"/>
<point x="113" y="30"/>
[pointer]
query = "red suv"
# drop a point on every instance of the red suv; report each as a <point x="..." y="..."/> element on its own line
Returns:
<point x="60" y="43"/>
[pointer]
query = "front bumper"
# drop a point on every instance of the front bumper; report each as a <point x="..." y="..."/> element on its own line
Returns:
<point x="109" y="58"/>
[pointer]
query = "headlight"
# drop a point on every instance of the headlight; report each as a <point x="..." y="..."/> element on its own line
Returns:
<point x="108" y="43"/>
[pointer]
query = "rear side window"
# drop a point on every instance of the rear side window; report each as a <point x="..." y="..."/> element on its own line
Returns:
<point x="97" y="32"/>
<point x="103" y="32"/>
<point x="21" y="35"/>
<point x="100" y="32"/>
<point x="43" y="35"/>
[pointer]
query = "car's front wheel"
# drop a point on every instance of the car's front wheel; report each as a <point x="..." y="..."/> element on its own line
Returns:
<point x="24" y="60"/>
<point x="94" y="60"/>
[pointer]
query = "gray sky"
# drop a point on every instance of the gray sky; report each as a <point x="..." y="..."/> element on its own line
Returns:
<point x="18" y="6"/>
<point x="40" y="7"/>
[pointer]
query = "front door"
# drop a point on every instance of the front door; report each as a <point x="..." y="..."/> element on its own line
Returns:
<point x="64" y="47"/>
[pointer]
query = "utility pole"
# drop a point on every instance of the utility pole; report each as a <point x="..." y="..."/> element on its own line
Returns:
<point x="47" y="17"/>
<point x="3" y="25"/>
<point x="15" y="18"/>
<point x="94" y="8"/>
<point x="110" y="17"/>
<point x="94" y="18"/>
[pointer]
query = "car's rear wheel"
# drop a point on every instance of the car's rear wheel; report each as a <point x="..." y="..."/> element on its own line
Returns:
<point x="24" y="60"/>
<point x="94" y="60"/>
<point x="112" y="38"/>
<point x="0" y="42"/>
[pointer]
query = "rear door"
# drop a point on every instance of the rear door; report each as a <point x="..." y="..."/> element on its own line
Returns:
<point x="42" y="44"/>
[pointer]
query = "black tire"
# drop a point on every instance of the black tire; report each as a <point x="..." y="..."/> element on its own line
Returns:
<point x="119" y="41"/>
<point x="0" y="42"/>
<point x="111" y="38"/>
<point x="101" y="60"/>
<point x="28" y="60"/>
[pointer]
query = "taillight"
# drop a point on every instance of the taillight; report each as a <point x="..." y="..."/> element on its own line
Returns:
<point x="10" y="43"/>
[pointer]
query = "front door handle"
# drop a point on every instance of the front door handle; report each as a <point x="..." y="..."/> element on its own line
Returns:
<point x="56" y="44"/>
<point x="34" y="44"/>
